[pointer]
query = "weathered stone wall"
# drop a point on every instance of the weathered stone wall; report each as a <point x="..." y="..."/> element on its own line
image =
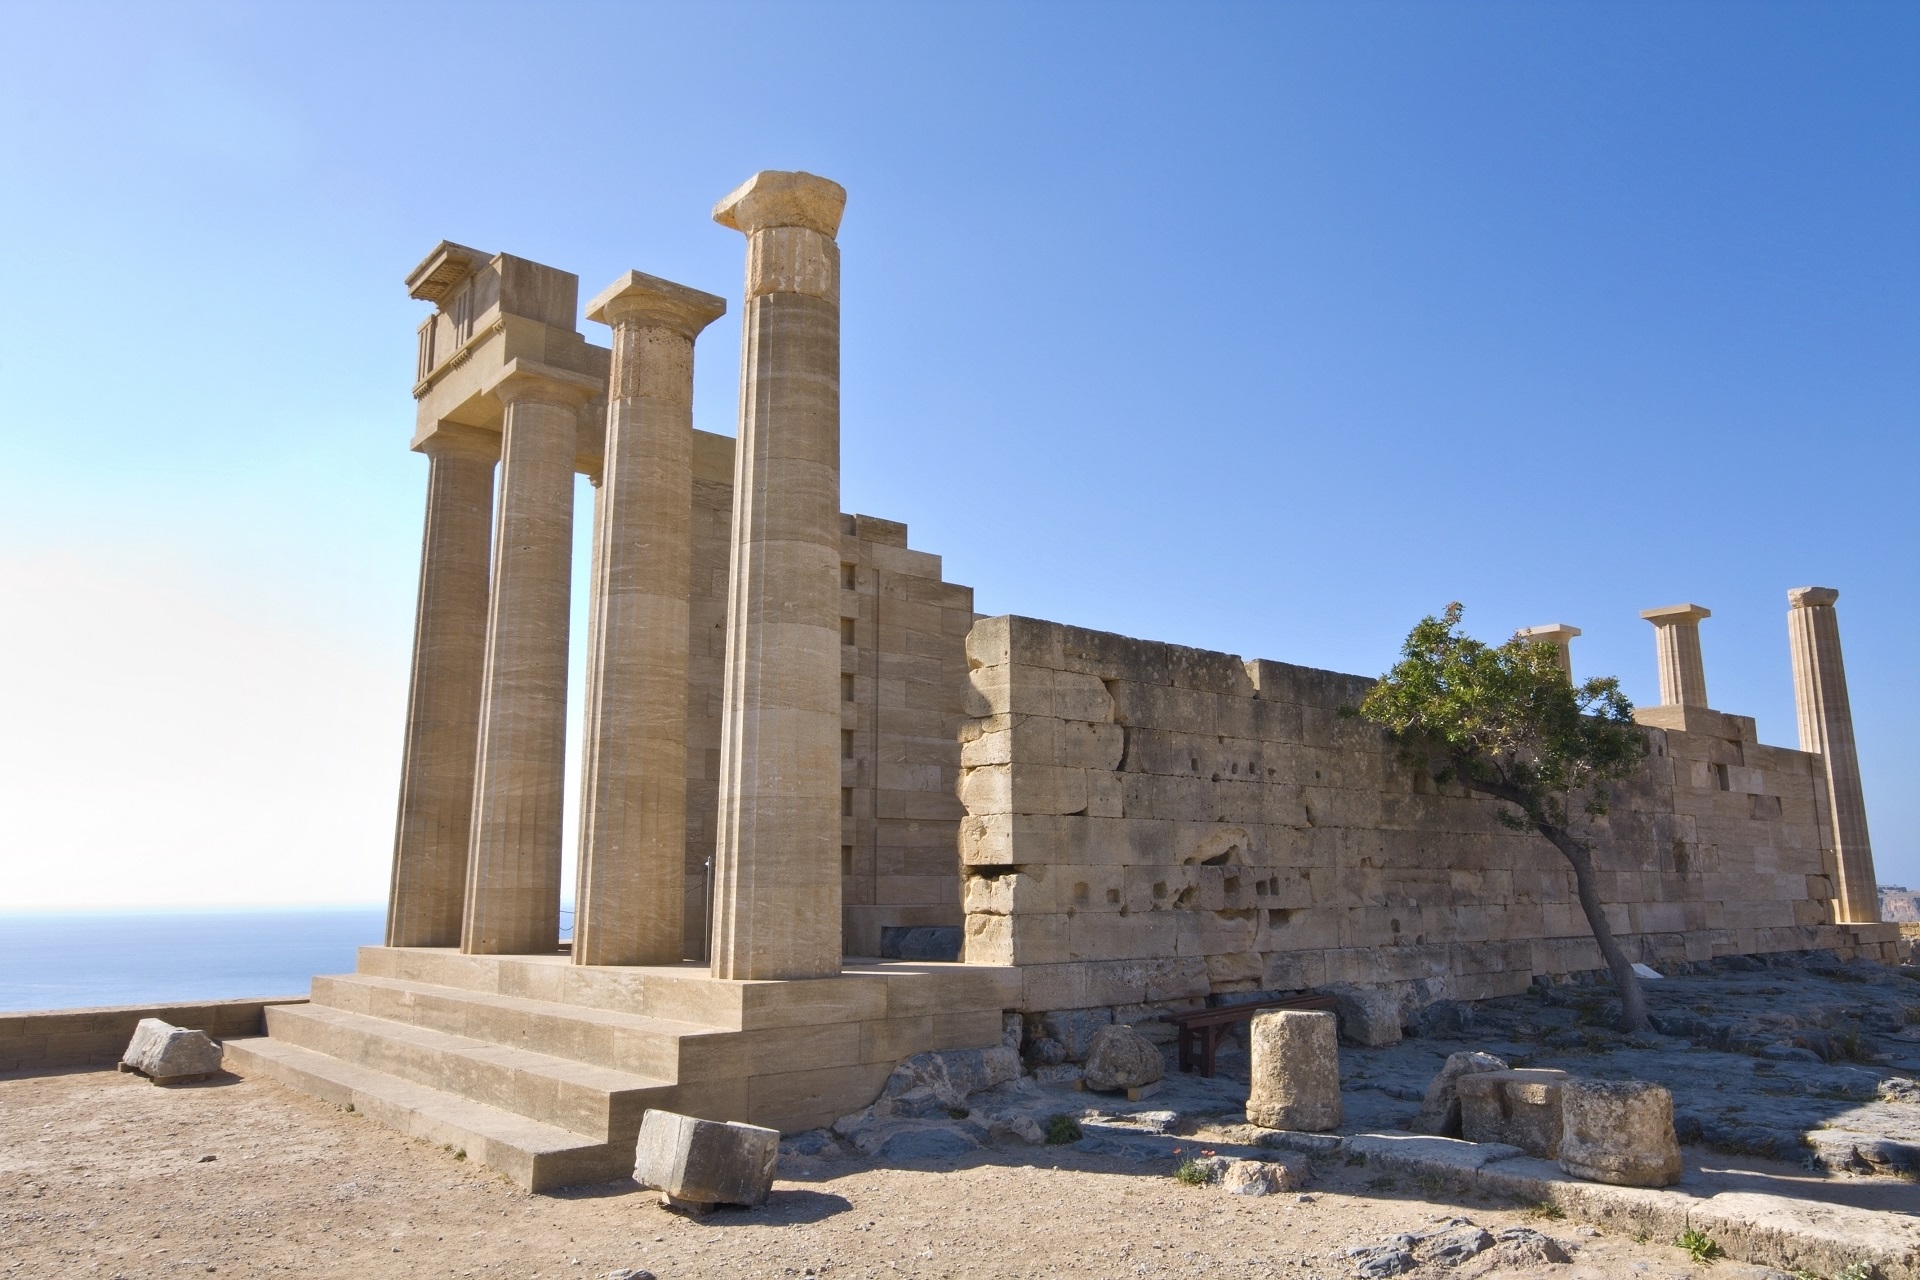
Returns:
<point x="1149" y="825"/>
<point x="903" y="689"/>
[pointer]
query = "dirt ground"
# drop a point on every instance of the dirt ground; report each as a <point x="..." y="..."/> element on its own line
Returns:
<point x="106" y="1175"/>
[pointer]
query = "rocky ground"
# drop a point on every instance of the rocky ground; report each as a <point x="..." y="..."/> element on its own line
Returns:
<point x="1792" y="1080"/>
<point x="107" y="1175"/>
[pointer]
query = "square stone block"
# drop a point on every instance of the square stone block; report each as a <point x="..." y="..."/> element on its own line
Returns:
<point x="696" y="1164"/>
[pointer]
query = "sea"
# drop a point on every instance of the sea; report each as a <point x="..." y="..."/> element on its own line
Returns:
<point x="66" y="960"/>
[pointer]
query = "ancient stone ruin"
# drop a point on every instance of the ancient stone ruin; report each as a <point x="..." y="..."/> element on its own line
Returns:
<point x="832" y="819"/>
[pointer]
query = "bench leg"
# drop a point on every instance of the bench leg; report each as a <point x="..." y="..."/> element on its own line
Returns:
<point x="1207" y="1046"/>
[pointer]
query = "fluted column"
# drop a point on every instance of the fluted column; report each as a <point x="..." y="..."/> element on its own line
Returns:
<point x="777" y="861"/>
<point x="1557" y="634"/>
<point x="513" y="866"/>
<point x="1683" y="673"/>
<point x="1826" y="730"/>
<point x="628" y="905"/>
<point x="443" y="697"/>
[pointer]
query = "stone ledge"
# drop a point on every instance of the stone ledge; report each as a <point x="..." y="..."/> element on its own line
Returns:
<point x="1767" y="1230"/>
<point x="49" y="1039"/>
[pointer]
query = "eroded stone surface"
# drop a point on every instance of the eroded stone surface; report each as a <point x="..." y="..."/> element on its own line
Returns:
<point x="1296" y="1071"/>
<point x="1619" y="1132"/>
<point x="1440" y="1109"/>
<point x="1121" y="1058"/>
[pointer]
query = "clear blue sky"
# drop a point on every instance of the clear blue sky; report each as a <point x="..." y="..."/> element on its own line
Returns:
<point x="1264" y="328"/>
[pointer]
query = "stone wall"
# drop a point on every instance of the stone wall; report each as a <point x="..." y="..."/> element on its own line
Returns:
<point x="97" y="1037"/>
<point x="903" y="687"/>
<point x="1150" y="825"/>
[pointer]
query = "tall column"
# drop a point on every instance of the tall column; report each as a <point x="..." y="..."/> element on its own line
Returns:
<point x="443" y="698"/>
<point x="777" y="861"/>
<point x="628" y="906"/>
<point x="513" y="866"/>
<point x="1683" y="674"/>
<point x="1826" y="730"/>
<point x="1557" y="634"/>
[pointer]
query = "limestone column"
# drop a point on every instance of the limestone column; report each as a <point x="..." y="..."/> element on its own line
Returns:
<point x="1683" y="675"/>
<point x="443" y="698"/>
<point x="1826" y="730"/>
<point x="1560" y="636"/>
<point x="628" y="906"/>
<point x="513" y="865"/>
<point x="777" y="861"/>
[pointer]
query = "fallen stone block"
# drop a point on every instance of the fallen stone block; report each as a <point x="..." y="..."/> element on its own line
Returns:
<point x="167" y="1054"/>
<point x="1520" y="1108"/>
<point x="1427" y="1155"/>
<point x="697" y="1164"/>
<point x="1118" y="1057"/>
<point x="1296" y="1071"/>
<point x="1367" y="1015"/>
<point x="1619" y="1132"/>
<point x="1440" y="1109"/>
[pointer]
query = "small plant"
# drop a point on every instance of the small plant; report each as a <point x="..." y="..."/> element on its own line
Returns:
<point x="348" y="1107"/>
<point x="1357" y="1158"/>
<point x="1911" y="1015"/>
<point x="1700" y="1246"/>
<point x="1432" y="1184"/>
<point x="461" y="1154"/>
<point x="1641" y="1237"/>
<point x="1192" y="1173"/>
<point x="1549" y="1210"/>
<point x="1062" y="1129"/>
<point x="1385" y="1182"/>
<point x="1861" y="1270"/>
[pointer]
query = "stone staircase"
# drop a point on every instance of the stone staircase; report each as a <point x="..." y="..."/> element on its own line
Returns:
<point x="542" y="1069"/>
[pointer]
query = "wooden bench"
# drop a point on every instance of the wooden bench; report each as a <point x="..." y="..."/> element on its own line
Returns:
<point x="1200" y="1031"/>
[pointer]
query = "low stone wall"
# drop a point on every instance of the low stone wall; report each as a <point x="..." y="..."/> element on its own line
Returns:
<point x="96" y="1037"/>
<point x="1150" y="825"/>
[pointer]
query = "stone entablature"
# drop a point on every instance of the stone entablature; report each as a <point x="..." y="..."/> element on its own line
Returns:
<point x="1150" y="825"/>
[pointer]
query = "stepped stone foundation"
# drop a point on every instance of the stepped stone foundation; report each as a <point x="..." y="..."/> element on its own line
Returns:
<point x="802" y="745"/>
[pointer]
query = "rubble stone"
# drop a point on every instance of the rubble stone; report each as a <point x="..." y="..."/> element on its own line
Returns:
<point x="1619" y="1132"/>
<point x="167" y="1054"/>
<point x="1296" y="1071"/>
<point x="1519" y="1108"/>
<point x="696" y="1164"/>
<point x="1121" y="1058"/>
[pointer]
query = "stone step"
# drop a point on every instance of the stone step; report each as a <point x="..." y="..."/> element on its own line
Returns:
<point x="597" y="1102"/>
<point x="536" y="1156"/>
<point x="686" y="993"/>
<point x="613" y="1038"/>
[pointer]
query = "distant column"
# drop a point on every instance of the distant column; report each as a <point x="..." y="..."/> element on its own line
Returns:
<point x="1683" y="675"/>
<point x="513" y="866"/>
<point x="443" y="698"/>
<point x="628" y="906"/>
<point x="1826" y="730"/>
<point x="1560" y="636"/>
<point x="777" y="860"/>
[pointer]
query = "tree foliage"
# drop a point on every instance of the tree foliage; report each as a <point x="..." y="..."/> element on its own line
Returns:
<point x="1506" y="722"/>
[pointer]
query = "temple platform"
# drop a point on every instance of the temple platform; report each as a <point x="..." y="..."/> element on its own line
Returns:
<point x="542" y="1068"/>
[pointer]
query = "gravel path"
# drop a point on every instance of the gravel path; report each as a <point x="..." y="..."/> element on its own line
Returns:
<point x="106" y="1175"/>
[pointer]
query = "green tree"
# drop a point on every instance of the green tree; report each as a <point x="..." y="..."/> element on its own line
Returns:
<point x="1507" y="723"/>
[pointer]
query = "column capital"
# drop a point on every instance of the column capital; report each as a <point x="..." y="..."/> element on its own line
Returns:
<point x="1668" y="615"/>
<point x="540" y="383"/>
<point x="638" y="298"/>
<point x="1811" y="597"/>
<point x="456" y="440"/>
<point x="1554" y="632"/>
<point x="779" y="198"/>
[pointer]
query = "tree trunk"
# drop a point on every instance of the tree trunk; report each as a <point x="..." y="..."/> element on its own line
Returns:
<point x="1633" y="1001"/>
